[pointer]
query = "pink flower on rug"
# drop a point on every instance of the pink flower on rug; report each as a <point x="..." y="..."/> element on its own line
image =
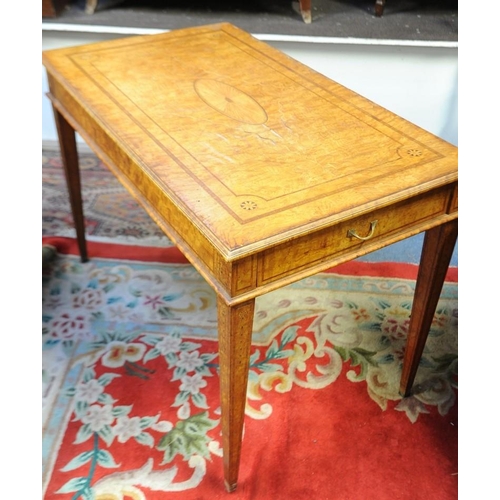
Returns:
<point x="440" y="320"/>
<point x="396" y="323"/>
<point x="361" y="314"/>
<point x="153" y="301"/>
<point x="118" y="353"/>
<point x="89" y="299"/>
<point x="70" y="326"/>
<point x="395" y="328"/>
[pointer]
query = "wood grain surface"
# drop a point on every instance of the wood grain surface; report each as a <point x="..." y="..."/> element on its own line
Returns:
<point x="251" y="144"/>
<point x="259" y="169"/>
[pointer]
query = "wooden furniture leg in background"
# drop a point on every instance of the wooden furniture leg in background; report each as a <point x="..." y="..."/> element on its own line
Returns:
<point x="305" y="10"/>
<point x="379" y="7"/>
<point x="439" y="243"/>
<point x="69" y="153"/>
<point x="235" y="325"/>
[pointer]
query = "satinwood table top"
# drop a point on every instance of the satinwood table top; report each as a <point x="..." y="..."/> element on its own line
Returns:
<point x="251" y="146"/>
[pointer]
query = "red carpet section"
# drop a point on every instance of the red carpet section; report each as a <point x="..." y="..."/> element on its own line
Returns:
<point x="132" y="402"/>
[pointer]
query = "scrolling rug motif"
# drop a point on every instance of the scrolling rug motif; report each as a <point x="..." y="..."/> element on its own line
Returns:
<point x="130" y="384"/>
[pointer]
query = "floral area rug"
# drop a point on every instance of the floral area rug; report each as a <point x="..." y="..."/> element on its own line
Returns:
<point x="131" y="390"/>
<point x="110" y="211"/>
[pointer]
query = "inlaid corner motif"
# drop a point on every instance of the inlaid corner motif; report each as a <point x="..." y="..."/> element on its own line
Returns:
<point x="248" y="205"/>
<point x="414" y="152"/>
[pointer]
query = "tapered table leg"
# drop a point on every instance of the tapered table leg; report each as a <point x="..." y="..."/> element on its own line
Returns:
<point x="235" y="335"/>
<point x="439" y="243"/>
<point x="69" y="153"/>
<point x="379" y="7"/>
<point x="305" y="10"/>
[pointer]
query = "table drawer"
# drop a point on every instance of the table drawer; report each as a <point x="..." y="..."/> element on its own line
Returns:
<point x="373" y="231"/>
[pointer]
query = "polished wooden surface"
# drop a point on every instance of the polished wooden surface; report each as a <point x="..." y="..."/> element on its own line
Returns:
<point x="261" y="170"/>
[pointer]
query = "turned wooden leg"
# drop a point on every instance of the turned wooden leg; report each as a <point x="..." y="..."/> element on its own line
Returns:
<point x="305" y="10"/>
<point x="235" y="336"/>
<point x="69" y="153"/>
<point x="379" y="7"/>
<point x="439" y="243"/>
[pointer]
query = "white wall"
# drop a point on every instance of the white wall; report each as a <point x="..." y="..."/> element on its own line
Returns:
<point x="419" y="83"/>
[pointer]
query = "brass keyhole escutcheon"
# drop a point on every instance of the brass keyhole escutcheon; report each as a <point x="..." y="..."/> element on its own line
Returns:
<point x="353" y="234"/>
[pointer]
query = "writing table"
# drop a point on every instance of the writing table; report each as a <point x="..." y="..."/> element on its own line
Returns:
<point x="259" y="169"/>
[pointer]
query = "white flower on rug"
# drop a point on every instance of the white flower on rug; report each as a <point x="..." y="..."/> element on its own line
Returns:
<point x="97" y="417"/>
<point x="193" y="383"/>
<point x="89" y="391"/>
<point x="189" y="360"/>
<point x="118" y="312"/>
<point x="169" y="344"/>
<point x="127" y="427"/>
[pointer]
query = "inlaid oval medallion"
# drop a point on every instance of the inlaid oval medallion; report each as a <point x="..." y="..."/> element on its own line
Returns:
<point x="230" y="101"/>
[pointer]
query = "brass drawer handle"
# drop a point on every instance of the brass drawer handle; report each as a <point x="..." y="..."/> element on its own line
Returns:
<point x="352" y="232"/>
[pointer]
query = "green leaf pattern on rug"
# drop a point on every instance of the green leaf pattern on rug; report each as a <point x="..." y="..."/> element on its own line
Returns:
<point x="188" y="437"/>
<point x="82" y="485"/>
<point x="358" y="357"/>
<point x="275" y="351"/>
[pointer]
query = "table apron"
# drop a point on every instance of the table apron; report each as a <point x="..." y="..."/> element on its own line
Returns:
<point x="250" y="276"/>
